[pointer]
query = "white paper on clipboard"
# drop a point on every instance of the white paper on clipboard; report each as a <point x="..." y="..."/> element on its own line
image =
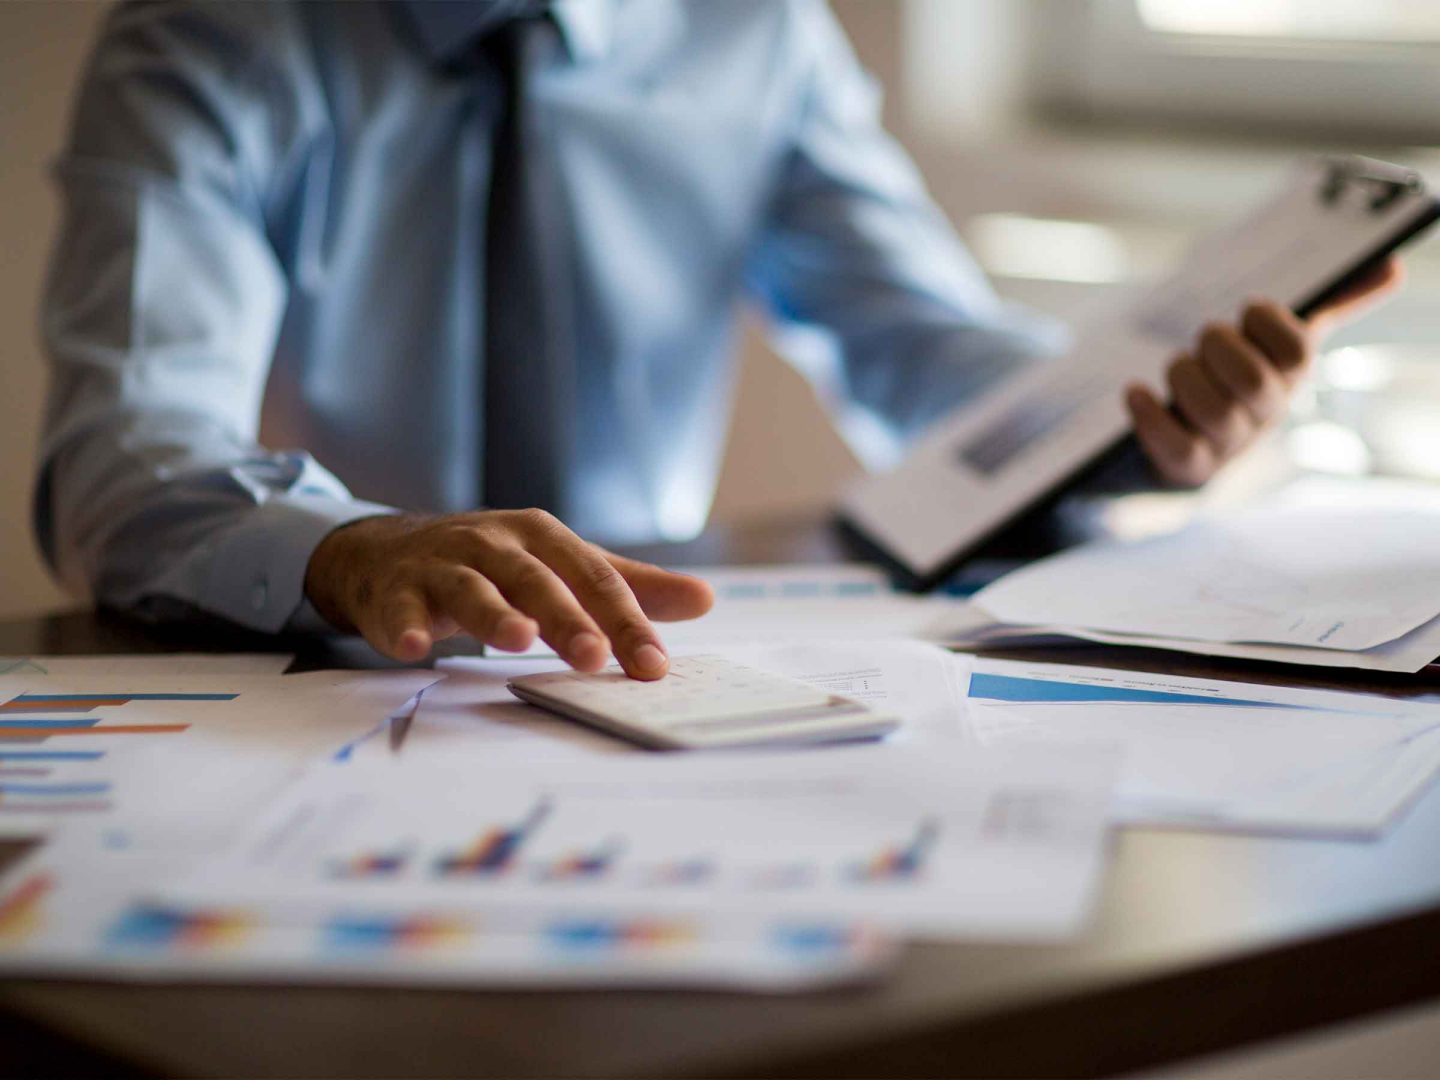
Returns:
<point x="978" y="469"/>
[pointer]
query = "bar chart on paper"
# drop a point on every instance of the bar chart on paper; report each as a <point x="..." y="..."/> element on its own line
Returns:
<point x="54" y="748"/>
<point x="798" y="836"/>
<point x="74" y="755"/>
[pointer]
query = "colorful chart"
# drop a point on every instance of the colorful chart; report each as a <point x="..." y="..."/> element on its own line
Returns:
<point x="373" y="864"/>
<point x="407" y="933"/>
<point x="22" y="796"/>
<point x="21" y="910"/>
<point x="583" y="865"/>
<point x="162" y="928"/>
<point x="607" y="935"/>
<point x="494" y="851"/>
<point x="1019" y="688"/>
<point x="820" y="940"/>
<point x="32" y="718"/>
<point x="900" y="863"/>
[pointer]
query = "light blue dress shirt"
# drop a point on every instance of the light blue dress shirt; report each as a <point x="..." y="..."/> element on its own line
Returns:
<point x="283" y="204"/>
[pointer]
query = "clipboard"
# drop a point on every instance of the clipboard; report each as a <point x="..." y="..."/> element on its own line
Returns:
<point x="990" y="462"/>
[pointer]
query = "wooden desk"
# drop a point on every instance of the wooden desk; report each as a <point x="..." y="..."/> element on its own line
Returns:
<point x="1200" y="942"/>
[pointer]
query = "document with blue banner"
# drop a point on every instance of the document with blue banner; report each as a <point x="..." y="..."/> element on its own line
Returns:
<point x="1205" y="753"/>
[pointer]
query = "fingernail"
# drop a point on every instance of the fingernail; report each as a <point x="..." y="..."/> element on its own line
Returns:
<point x="585" y="645"/>
<point x="413" y="643"/>
<point x="649" y="658"/>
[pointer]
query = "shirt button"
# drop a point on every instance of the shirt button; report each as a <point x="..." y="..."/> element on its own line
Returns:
<point x="259" y="594"/>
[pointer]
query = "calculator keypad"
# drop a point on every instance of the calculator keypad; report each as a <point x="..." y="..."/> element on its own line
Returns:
<point x="697" y="688"/>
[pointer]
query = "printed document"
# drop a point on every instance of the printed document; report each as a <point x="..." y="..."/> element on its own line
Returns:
<point x="1320" y="578"/>
<point x="1212" y="754"/>
<point x="990" y="844"/>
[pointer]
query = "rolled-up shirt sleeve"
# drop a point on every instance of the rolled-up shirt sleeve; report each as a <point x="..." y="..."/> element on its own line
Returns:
<point x="893" y="311"/>
<point x="159" y="319"/>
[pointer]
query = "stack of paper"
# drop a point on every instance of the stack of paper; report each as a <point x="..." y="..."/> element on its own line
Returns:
<point x="1297" y="585"/>
<point x="1220" y="755"/>
<point x="157" y="773"/>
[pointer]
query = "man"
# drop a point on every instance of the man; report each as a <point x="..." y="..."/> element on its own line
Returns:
<point x="486" y="254"/>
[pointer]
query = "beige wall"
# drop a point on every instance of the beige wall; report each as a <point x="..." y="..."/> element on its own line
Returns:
<point x="41" y="44"/>
<point x="783" y="453"/>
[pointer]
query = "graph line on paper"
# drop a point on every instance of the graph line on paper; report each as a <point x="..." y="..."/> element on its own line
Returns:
<point x="364" y="865"/>
<point x="1019" y="688"/>
<point x="494" y="852"/>
<point x="900" y="863"/>
<point x="583" y="865"/>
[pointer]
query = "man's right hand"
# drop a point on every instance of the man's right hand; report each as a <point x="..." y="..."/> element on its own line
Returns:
<point x="502" y="576"/>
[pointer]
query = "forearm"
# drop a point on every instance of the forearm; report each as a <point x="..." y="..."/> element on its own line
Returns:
<point x="165" y="527"/>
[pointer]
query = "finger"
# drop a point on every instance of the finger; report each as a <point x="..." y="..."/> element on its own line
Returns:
<point x="401" y="628"/>
<point x="1207" y="407"/>
<point x="478" y="607"/>
<point x="1378" y="282"/>
<point x="606" y="595"/>
<point x="1282" y="336"/>
<point x="664" y="594"/>
<point x="1178" y="454"/>
<point x="1242" y="369"/>
<point x="532" y="587"/>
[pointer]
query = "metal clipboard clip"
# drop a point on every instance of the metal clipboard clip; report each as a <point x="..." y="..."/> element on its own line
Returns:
<point x="1386" y="182"/>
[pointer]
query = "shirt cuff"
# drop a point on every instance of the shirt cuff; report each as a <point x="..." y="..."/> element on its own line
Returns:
<point x="257" y="571"/>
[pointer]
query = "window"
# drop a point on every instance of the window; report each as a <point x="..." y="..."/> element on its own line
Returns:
<point x="1343" y="68"/>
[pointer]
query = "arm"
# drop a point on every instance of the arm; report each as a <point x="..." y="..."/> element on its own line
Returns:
<point x="160" y="320"/>
<point x="854" y="247"/>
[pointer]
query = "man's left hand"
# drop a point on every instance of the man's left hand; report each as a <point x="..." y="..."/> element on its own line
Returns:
<point x="1238" y="380"/>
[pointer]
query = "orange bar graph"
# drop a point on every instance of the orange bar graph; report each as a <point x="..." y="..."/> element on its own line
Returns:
<point x="60" y="704"/>
<point x="109" y="729"/>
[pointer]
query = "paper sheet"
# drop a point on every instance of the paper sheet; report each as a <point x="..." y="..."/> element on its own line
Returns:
<point x="974" y="629"/>
<point x="1221" y="755"/>
<point x="793" y="581"/>
<point x="102" y="665"/>
<point x="982" y="844"/>
<point x="74" y="750"/>
<point x="1321" y="578"/>
<point x="74" y="909"/>
<point x="1408" y="653"/>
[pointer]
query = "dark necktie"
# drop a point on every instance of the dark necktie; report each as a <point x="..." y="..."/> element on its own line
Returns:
<point x="528" y="384"/>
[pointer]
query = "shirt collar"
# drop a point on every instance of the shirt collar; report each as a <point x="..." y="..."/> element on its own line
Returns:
<point x="447" y="27"/>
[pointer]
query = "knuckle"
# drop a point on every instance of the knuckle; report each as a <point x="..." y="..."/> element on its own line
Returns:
<point x="461" y="579"/>
<point x="537" y="521"/>
<point x="605" y="581"/>
<point x="531" y="576"/>
<point x="633" y="629"/>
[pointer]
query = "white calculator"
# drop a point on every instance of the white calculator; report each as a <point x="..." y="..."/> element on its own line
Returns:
<point x="705" y="702"/>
